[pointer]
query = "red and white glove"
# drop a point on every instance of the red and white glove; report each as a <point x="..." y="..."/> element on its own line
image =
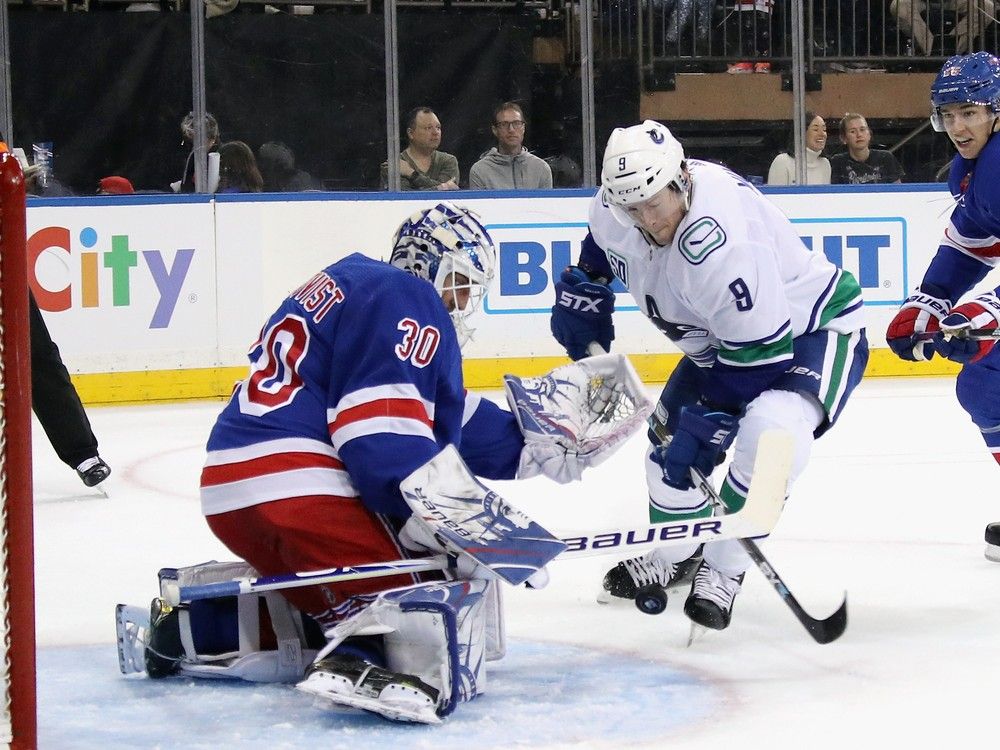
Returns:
<point x="920" y="314"/>
<point x="981" y="313"/>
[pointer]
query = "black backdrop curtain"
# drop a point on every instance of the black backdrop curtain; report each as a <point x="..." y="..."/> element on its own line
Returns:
<point x="109" y="89"/>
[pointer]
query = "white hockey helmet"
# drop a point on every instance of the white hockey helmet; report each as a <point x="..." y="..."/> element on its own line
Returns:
<point x="440" y="245"/>
<point x="638" y="163"/>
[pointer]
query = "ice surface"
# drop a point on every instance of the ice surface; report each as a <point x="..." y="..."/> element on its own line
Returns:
<point x="891" y="509"/>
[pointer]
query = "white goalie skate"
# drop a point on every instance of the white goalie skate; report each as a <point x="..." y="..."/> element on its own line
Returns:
<point x="352" y="683"/>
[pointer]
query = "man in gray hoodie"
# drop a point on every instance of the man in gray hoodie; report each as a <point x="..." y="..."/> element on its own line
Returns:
<point x="509" y="165"/>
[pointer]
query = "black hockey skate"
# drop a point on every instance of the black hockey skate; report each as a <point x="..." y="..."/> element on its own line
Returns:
<point x="710" y="603"/>
<point x="93" y="471"/>
<point x="164" y="650"/>
<point x="646" y="581"/>
<point x="993" y="542"/>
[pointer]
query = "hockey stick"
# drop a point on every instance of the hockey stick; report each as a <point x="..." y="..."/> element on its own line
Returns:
<point x="822" y="630"/>
<point x="757" y="517"/>
<point x="970" y="334"/>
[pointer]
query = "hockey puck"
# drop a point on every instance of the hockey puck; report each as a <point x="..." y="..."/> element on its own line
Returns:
<point x="651" y="599"/>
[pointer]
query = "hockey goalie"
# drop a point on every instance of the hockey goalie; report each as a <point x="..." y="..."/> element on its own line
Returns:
<point x="351" y="441"/>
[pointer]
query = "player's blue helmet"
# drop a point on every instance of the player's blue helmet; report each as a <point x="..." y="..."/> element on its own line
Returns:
<point x="966" y="79"/>
<point x="448" y="246"/>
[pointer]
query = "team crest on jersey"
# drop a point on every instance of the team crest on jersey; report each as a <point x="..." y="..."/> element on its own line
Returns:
<point x="619" y="266"/>
<point x="701" y="238"/>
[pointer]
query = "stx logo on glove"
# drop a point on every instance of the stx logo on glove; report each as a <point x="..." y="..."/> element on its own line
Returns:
<point x="575" y="302"/>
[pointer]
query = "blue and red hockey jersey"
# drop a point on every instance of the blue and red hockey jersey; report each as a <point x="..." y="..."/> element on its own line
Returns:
<point x="355" y="381"/>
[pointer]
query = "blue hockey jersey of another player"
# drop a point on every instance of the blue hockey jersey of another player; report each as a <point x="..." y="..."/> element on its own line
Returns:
<point x="971" y="243"/>
<point x="354" y="382"/>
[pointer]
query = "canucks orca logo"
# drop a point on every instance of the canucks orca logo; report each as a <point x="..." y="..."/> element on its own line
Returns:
<point x="655" y="136"/>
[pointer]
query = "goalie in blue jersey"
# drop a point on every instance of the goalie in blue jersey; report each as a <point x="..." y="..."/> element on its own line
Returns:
<point x="355" y="385"/>
<point x="946" y="314"/>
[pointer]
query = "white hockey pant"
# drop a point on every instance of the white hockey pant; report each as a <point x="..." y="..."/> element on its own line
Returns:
<point x="247" y="661"/>
<point x="443" y="633"/>
<point x="797" y="413"/>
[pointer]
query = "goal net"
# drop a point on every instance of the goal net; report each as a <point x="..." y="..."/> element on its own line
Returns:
<point x="17" y="598"/>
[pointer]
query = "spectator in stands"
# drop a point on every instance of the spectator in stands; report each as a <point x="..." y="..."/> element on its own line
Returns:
<point x="277" y="166"/>
<point x="972" y="18"/>
<point x="749" y="25"/>
<point x="238" y="171"/>
<point x="509" y="165"/>
<point x="421" y="165"/>
<point x="566" y="172"/>
<point x="861" y="164"/>
<point x="186" y="183"/>
<point x="39" y="182"/>
<point x="115" y="185"/>
<point x="782" y="171"/>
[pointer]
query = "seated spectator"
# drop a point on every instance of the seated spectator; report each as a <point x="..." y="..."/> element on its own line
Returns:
<point x="39" y="182"/>
<point x="971" y="19"/>
<point x="750" y="31"/>
<point x="276" y="163"/>
<point x="782" y="171"/>
<point x="421" y="165"/>
<point x="566" y="171"/>
<point x="186" y="183"/>
<point x="115" y="185"/>
<point x="861" y="164"/>
<point x="509" y="165"/>
<point x="238" y="171"/>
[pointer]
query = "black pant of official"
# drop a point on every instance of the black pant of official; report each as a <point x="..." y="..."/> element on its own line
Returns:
<point x="54" y="398"/>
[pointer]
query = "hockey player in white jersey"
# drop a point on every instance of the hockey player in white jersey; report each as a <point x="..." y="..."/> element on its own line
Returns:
<point x="772" y="335"/>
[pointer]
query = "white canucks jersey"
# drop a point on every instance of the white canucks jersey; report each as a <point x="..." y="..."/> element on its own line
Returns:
<point x="737" y="284"/>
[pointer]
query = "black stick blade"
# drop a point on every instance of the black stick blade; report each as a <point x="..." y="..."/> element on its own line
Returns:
<point x="830" y="629"/>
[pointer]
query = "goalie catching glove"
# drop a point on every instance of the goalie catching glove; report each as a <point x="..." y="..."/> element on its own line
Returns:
<point x="577" y="415"/>
<point x="952" y="341"/>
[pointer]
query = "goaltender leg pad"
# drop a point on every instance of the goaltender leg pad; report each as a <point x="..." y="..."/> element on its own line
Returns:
<point x="255" y="637"/>
<point x="577" y="415"/>
<point x="434" y="633"/>
<point x="470" y="519"/>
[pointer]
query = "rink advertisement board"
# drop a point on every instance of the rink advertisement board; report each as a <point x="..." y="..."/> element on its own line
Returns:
<point x="171" y="282"/>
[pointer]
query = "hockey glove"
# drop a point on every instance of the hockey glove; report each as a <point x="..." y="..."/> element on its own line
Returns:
<point x="582" y="313"/>
<point x="920" y="314"/>
<point x="701" y="436"/>
<point x="982" y="312"/>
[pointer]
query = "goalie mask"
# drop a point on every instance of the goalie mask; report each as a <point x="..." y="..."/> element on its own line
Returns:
<point x="966" y="79"/>
<point x="448" y="246"/>
<point x="638" y="163"/>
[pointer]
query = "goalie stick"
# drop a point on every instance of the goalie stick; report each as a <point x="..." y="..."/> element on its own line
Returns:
<point x="757" y="517"/>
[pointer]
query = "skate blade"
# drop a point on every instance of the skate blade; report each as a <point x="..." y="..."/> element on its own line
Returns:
<point x="103" y="489"/>
<point x="604" y="597"/>
<point x="695" y="634"/>
<point x="344" y="703"/>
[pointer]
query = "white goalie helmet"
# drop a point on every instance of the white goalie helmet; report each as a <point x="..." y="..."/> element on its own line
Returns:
<point x="639" y="162"/>
<point x="448" y="246"/>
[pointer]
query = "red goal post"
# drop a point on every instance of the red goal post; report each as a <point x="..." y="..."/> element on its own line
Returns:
<point x="18" y="723"/>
